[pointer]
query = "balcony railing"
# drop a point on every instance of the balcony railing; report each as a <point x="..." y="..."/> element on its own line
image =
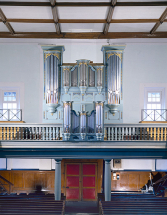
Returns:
<point x="112" y="132"/>
<point x="35" y="132"/>
<point x="10" y="114"/>
<point x="135" y="132"/>
<point x="154" y="115"/>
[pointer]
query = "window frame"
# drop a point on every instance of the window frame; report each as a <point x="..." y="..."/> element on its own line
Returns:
<point x="160" y="90"/>
<point x="9" y="89"/>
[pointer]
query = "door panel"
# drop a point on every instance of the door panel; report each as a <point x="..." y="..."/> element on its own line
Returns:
<point x="89" y="194"/>
<point x="81" y="181"/>
<point x="72" y="194"/>
<point x="73" y="169"/>
<point x="72" y="181"/>
<point x="89" y="181"/>
<point x="89" y="169"/>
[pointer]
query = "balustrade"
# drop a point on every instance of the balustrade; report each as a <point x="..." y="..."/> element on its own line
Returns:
<point x="33" y="132"/>
<point x="112" y="132"/>
<point x="135" y="132"/>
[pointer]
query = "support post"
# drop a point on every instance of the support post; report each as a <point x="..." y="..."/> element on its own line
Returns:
<point x="107" y="181"/>
<point x="57" y="179"/>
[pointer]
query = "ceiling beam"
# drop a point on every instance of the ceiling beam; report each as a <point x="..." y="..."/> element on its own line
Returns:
<point x="109" y="16"/>
<point x="4" y="20"/>
<point x="161" y="20"/>
<point x="84" y="20"/>
<point x="82" y="4"/>
<point x="55" y="16"/>
<point x="89" y="35"/>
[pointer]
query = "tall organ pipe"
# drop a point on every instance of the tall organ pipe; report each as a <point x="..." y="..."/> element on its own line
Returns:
<point x="67" y="120"/>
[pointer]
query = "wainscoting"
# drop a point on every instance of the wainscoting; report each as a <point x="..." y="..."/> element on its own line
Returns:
<point x="26" y="181"/>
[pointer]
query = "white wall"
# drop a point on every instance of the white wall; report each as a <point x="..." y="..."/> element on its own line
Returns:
<point x="144" y="65"/>
<point x="136" y="164"/>
<point x="20" y="65"/>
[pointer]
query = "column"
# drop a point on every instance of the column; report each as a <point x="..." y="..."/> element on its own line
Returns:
<point x="57" y="179"/>
<point x="107" y="181"/>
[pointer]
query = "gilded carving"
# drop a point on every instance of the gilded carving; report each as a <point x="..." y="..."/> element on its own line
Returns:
<point x="49" y="54"/>
<point x="66" y="69"/>
<point x="117" y="54"/>
<point x="82" y="63"/>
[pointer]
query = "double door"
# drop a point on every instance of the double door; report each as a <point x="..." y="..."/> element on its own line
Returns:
<point x="81" y="181"/>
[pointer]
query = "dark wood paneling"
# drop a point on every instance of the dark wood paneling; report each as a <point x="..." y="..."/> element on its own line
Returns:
<point x="26" y="181"/>
<point x="130" y="181"/>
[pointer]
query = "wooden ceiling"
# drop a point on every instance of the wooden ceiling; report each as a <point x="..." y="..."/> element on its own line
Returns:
<point x="108" y="19"/>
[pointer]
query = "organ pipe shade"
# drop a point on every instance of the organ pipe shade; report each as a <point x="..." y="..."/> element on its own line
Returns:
<point x="67" y="117"/>
<point x="99" y="117"/>
<point x="52" y="78"/>
<point x="113" y="78"/>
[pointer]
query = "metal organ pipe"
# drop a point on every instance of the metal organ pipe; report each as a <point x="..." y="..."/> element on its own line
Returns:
<point x="52" y="77"/>
<point x="99" y="120"/>
<point x="67" y="120"/>
<point x="83" y="124"/>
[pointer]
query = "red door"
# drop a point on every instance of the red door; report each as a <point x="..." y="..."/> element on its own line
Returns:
<point x="81" y="181"/>
<point x="73" y="185"/>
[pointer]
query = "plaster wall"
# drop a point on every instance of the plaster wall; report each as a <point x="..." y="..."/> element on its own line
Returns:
<point x="144" y="65"/>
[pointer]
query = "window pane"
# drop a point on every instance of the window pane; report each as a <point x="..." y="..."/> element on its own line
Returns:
<point x="153" y="99"/>
<point x="157" y="95"/>
<point x="149" y="99"/>
<point x="9" y="105"/>
<point x="148" y="106"/>
<point x="157" y="99"/>
<point x="158" y="106"/>
<point x="149" y="94"/>
<point x="14" y="106"/>
<point x="153" y="94"/>
<point x="5" y="106"/>
<point x="9" y="98"/>
<point x="5" y="98"/>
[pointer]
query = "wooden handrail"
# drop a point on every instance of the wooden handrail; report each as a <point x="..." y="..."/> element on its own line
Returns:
<point x="161" y="179"/>
<point x="8" y="183"/>
<point x="6" y="180"/>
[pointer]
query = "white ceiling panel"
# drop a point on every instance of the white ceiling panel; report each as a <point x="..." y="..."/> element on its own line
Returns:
<point x="162" y="27"/>
<point x="33" y="27"/>
<point x="29" y="0"/>
<point x="83" y="0"/>
<point x="81" y="27"/>
<point x="3" y="27"/>
<point x="27" y="12"/>
<point x="138" y="0"/>
<point x="82" y="12"/>
<point x="131" y="27"/>
<point x="138" y="12"/>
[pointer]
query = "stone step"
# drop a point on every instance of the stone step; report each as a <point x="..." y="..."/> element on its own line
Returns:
<point x="81" y="213"/>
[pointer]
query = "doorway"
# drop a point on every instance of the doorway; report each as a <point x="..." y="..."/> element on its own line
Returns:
<point x="81" y="181"/>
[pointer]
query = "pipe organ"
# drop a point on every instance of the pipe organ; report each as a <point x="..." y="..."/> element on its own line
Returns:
<point x="82" y="96"/>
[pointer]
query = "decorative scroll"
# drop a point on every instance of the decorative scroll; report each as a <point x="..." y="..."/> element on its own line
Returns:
<point x="91" y="122"/>
<point x="75" y="122"/>
<point x="49" y="54"/>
